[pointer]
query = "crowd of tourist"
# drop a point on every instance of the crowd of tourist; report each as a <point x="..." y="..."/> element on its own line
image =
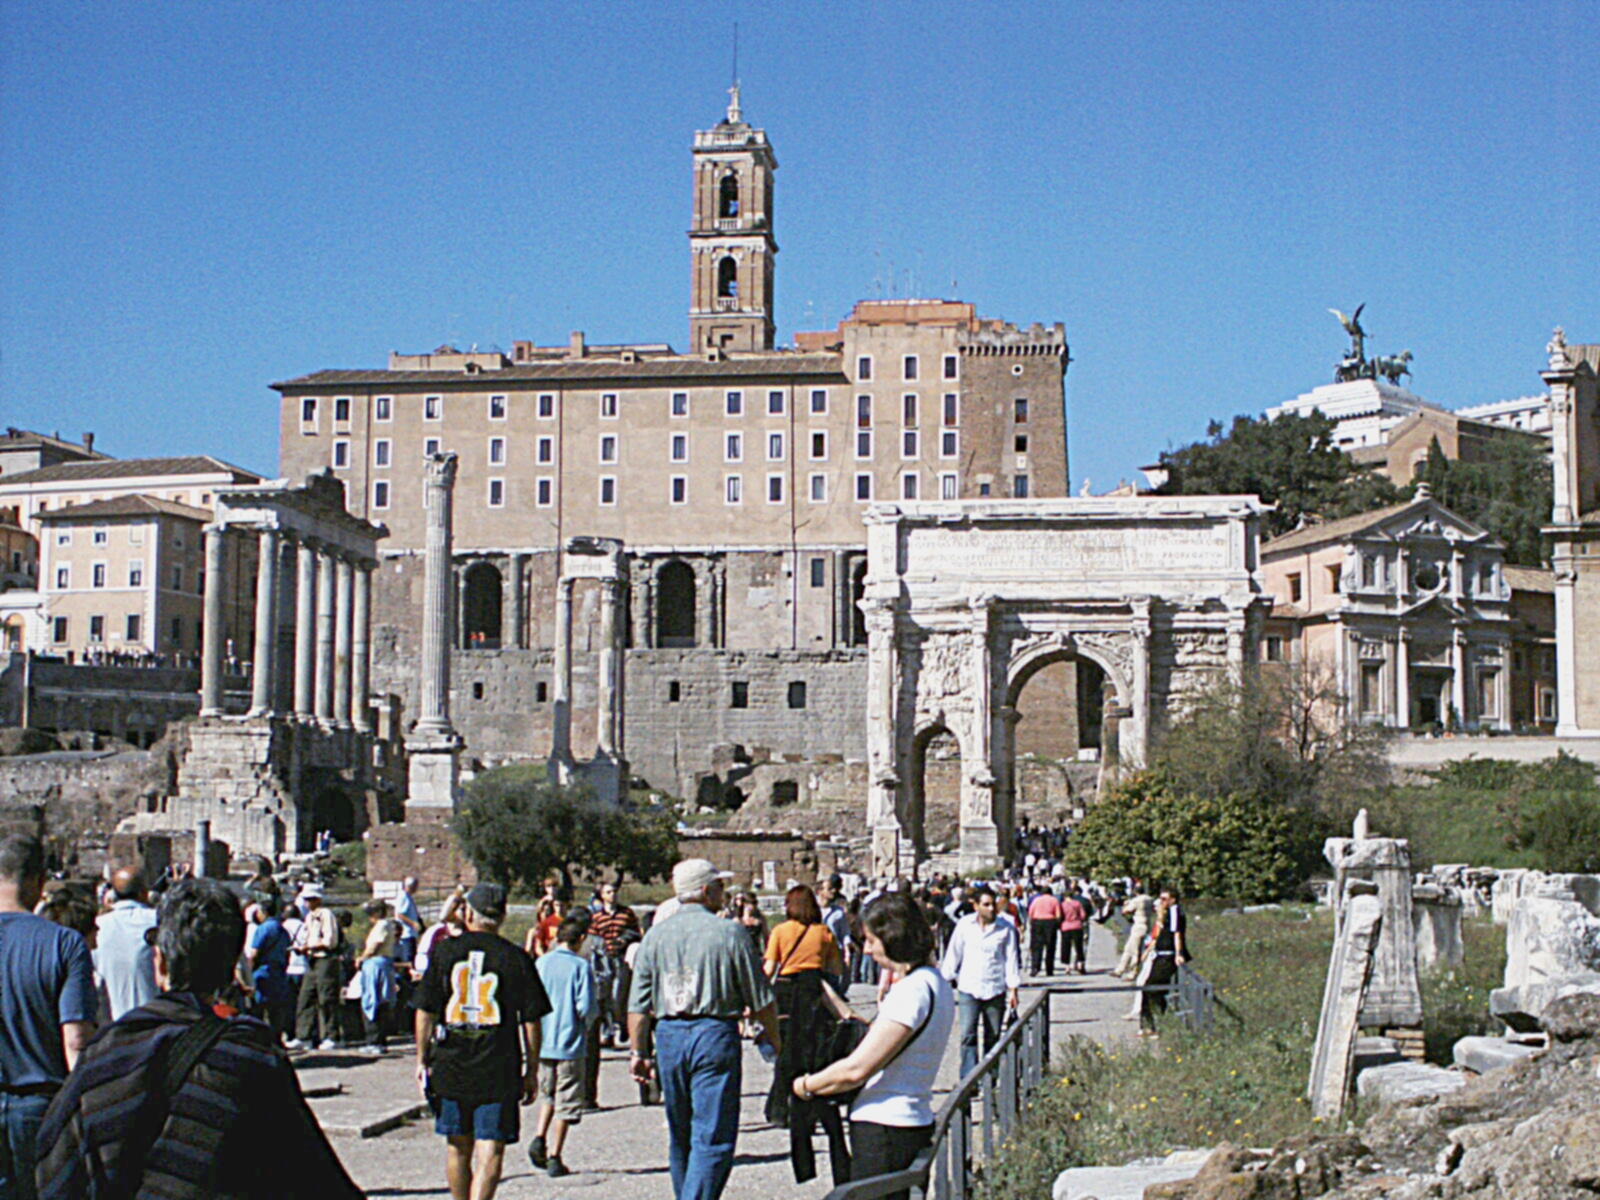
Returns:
<point x="206" y="995"/>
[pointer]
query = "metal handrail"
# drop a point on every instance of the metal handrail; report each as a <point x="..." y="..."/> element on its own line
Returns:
<point x="1004" y="1081"/>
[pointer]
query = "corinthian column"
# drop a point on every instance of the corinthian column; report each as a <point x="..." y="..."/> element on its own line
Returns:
<point x="212" y="634"/>
<point x="606" y="717"/>
<point x="305" y="630"/>
<point x="361" y="650"/>
<point x="343" y="604"/>
<point x="263" y="672"/>
<point x="325" y="594"/>
<point x="434" y="716"/>
<point x="561" y="684"/>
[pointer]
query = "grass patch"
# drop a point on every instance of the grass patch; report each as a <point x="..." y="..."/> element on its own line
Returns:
<point x="1246" y="1082"/>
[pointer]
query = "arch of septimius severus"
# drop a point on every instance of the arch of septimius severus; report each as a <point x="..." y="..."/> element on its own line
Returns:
<point x="966" y="600"/>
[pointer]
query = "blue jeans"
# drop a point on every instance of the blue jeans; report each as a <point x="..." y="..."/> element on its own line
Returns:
<point x="971" y="1009"/>
<point x="699" y="1063"/>
<point x="19" y="1135"/>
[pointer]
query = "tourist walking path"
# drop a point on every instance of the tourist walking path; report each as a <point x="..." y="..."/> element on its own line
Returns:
<point x="620" y="1153"/>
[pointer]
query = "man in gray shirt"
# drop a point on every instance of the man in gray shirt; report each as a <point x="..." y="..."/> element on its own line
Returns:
<point x="123" y="956"/>
<point x="694" y="977"/>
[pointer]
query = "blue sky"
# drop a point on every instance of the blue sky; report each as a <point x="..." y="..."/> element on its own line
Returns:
<point x="199" y="199"/>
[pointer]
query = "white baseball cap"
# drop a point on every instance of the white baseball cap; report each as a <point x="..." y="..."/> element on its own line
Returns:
<point x="692" y="874"/>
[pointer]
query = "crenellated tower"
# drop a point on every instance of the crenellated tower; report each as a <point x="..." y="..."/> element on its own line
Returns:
<point x="730" y="240"/>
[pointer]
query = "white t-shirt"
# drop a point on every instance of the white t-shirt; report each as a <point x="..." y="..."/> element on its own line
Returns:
<point x="902" y="1093"/>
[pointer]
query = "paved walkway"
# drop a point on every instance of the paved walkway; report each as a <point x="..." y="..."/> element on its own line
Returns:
<point x="620" y="1152"/>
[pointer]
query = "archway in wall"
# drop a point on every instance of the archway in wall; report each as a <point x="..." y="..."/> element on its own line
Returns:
<point x="933" y="801"/>
<point x="858" y="619"/>
<point x="481" y="618"/>
<point x="675" y="601"/>
<point x="1060" y="705"/>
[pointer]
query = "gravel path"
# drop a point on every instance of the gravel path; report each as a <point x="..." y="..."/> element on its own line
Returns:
<point x="620" y="1152"/>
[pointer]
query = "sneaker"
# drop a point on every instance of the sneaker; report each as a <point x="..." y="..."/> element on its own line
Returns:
<point x="557" y="1169"/>
<point x="536" y="1153"/>
<point x="327" y="1044"/>
<point x="294" y="1044"/>
<point x="372" y="1051"/>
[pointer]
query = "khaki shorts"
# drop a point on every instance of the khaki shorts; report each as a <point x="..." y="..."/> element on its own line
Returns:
<point x="561" y="1085"/>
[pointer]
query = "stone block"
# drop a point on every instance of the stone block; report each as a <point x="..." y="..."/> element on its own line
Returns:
<point x="1436" y="927"/>
<point x="1349" y="974"/>
<point x="1523" y="1007"/>
<point x="1408" y="1081"/>
<point x="1372" y="1052"/>
<point x="1125" y="1183"/>
<point x="1394" y="995"/>
<point x="1485" y="1054"/>
<point x="1504" y="895"/>
<point x="1572" y="1018"/>
<point x="1550" y="936"/>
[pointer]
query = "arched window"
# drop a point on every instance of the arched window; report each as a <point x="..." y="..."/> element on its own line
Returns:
<point x="675" y="606"/>
<point x="481" y="603"/>
<point x="728" y="278"/>
<point x="728" y="198"/>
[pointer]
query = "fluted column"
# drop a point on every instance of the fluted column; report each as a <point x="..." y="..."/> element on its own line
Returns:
<point x="212" y="634"/>
<point x="361" y="650"/>
<point x="883" y="742"/>
<point x="561" y="683"/>
<point x="606" y="714"/>
<point x="263" y="670"/>
<point x="325" y="596"/>
<point x="305" y="630"/>
<point x="434" y="715"/>
<point x="343" y="604"/>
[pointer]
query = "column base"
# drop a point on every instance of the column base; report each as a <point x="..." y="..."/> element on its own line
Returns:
<point x="885" y="851"/>
<point x="980" y="849"/>
<point x="433" y="774"/>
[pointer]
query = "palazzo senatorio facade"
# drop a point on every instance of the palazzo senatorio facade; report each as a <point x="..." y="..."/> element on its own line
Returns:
<point x="735" y="474"/>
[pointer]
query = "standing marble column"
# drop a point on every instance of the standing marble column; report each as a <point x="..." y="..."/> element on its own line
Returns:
<point x="1458" y="676"/>
<point x="361" y="650"/>
<point x="325" y="594"/>
<point x="434" y="716"/>
<point x="561" y="683"/>
<point x="305" y="630"/>
<point x="212" y="634"/>
<point x="883" y="742"/>
<point x="606" y="668"/>
<point x="1133" y="733"/>
<point x="1402" y="679"/>
<point x="519" y="603"/>
<point x="343" y="606"/>
<point x="843" y="618"/>
<point x="263" y="670"/>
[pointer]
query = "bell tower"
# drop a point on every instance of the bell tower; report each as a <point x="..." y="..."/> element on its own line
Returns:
<point x="730" y="241"/>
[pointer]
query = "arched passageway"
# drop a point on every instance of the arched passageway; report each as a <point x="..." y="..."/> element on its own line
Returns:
<point x="481" y="607"/>
<point x="675" y="606"/>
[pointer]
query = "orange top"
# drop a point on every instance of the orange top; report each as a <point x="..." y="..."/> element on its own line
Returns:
<point x="803" y="948"/>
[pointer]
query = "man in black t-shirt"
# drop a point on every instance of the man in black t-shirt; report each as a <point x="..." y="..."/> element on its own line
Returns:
<point x="478" y="1043"/>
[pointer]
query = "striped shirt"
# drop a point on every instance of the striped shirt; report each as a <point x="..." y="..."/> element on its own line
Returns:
<point x="238" y="1128"/>
<point x="610" y="927"/>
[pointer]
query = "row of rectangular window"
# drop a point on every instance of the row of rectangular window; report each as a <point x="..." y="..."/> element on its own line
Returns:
<point x="733" y="402"/>
<point x="910" y="367"/>
<point x="678" y="448"/>
<point x="133" y="629"/>
<point x="99" y="578"/>
<point x="433" y="406"/>
<point x="733" y="489"/>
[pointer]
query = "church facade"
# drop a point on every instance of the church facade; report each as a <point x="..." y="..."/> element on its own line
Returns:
<point x="736" y="475"/>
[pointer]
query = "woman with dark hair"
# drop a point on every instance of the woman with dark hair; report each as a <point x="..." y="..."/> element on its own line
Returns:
<point x="801" y="955"/>
<point x="1166" y="949"/>
<point x="891" y="1120"/>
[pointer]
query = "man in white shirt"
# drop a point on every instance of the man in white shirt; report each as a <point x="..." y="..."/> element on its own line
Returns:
<point x="123" y="956"/>
<point x="984" y="962"/>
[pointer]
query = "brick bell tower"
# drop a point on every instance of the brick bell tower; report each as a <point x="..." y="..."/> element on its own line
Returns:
<point x="730" y="240"/>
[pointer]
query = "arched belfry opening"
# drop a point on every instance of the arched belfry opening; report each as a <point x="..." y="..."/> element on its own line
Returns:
<point x="728" y="278"/>
<point x="481" y="607"/>
<point x="675" y="606"/>
<point x="728" y="196"/>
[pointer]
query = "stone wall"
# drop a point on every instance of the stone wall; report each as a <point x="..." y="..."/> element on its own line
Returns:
<point x="130" y="704"/>
<point x="81" y="795"/>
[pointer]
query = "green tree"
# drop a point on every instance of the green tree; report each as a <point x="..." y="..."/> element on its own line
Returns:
<point x="517" y="827"/>
<point x="1224" y="847"/>
<point x="1507" y="493"/>
<point x="1292" y="462"/>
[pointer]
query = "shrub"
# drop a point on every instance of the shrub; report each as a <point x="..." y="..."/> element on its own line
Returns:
<point x="1225" y="847"/>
